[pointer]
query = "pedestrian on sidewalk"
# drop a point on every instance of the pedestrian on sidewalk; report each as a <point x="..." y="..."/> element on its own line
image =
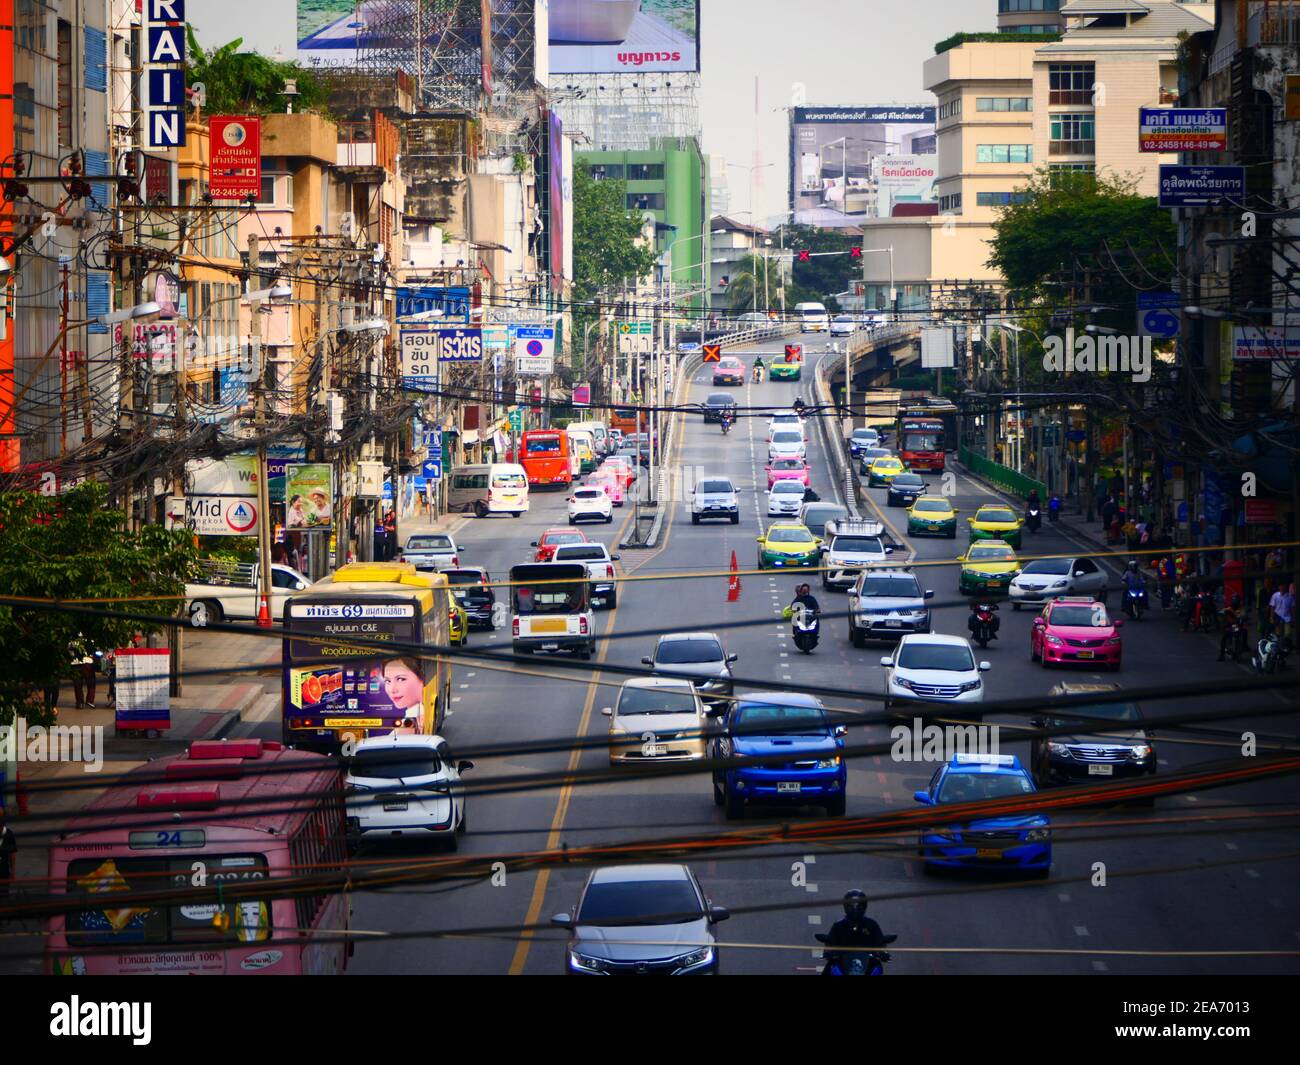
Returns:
<point x="83" y="674"/>
<point x="390" y="535"/>
<point x="8" y="853"/>
<point x="1263" y="605"/>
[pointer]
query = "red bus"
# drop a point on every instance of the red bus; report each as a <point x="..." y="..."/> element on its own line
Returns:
<point x="225" y="814"/>
<point x="920" y="442"/>
<point x="627" y="420"/>
<point x="544" y="455"/>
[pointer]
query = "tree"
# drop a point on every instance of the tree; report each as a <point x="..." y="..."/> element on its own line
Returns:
<point x="745" y="284"/>
<point x="606" y="248"/>
<point x="67" y="547"/>
<point x="244" y="83"/>
<point x="1094" y="231"/>
<point x="822" y="276"/>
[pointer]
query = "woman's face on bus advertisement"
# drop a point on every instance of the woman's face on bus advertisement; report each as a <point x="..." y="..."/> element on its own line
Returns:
<point x="403" y="687"/>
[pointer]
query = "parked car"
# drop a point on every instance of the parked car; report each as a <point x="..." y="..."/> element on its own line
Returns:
<point x="405" y="785"/>
<point x="697" y="656"/>
<point x="1079" y="630"/>
<point x="641" y="920"/>
<point x="231" y="590"/>
<point x="887" y="604"/>
<point x="935" y="668"/>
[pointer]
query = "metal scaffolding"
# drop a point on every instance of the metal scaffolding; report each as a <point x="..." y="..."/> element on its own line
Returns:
<point x="629" y="112"/>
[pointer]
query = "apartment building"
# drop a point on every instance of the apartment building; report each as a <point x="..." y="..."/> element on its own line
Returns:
<point x="1030" y="16"/>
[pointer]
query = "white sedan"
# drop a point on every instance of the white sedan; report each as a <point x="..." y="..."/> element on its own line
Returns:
<point x="590" y="504"/>
<point x="405" y="785"/>
<point x="786" y="497"/>
<point x="843" y="325"/>
<point x="786" y="444"/>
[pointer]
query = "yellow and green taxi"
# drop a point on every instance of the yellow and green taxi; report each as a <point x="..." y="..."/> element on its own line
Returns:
<point x="457" y="621"/>
<point x="884" y="470"/>
<point x="786" y="545"/>
<point x="780" y="370"/>
<point x="932" y="516"/>
<point x="995" y="521"/>
<point x="987" y="566"/>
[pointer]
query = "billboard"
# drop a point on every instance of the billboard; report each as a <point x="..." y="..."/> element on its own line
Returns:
<point x="309" y="491"/>
<point x="235" y="165"/>
<point x="839" y="157"/>
<point x="620" y="36"/>
<point x="559" y="197"/>
<point x="1182" y="129"/>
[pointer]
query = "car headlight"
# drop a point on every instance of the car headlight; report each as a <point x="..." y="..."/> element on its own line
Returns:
<point x="1038" y="835"/>
<point x="586" y="963"/>
<point x="829" y="763"/>
<point x="1055" y="641"/>
<point x="697" y="957"/>
<point x="945" y="836"/>
<point x="1061" y="584"/>
<point x="1114" y="641"/>
<point x="903" y="682"/>
<point x="1060" y="750"/>
<point x="972" y="685"/>
<point x="1140" y="753"/>
<point x="714" y="682"/>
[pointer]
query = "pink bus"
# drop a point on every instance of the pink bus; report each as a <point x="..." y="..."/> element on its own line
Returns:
<point x="225" y="813"/>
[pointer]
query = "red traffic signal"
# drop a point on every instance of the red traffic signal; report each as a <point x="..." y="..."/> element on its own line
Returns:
<point x="794" y="353"/>
<point x="804" y="255"/>
<point x="855" y="253"/>
<point x="712" y="352"/>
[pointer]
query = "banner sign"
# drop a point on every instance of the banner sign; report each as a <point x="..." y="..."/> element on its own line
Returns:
<point x="309" y="495"/>
<point x="460" y="345"/>
<point x="1183" y="129"/>
<point x="419" y="355"/>
<point x="235" y="168"/>
<point x="164" y="73"/>
<point x="1158" y="314"/>
<point x="1196" y="186"/>
<point x="453" y="302"/>
<point x="141" y="688"/>
<point x="1265" y="342"/>
<point x="534" y="349"/>
<point x="213" y="515"/>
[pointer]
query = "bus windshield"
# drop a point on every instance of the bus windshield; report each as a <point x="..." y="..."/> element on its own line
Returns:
<point x="918" y="441"/>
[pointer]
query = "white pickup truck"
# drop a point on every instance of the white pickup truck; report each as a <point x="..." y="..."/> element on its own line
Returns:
<point x="600" y="568"/>
<point x="229" y="590"/>
<point x="551" y="609"/>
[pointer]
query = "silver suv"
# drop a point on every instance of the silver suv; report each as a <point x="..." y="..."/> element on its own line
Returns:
<point x="852" y="547"/>
<point x="886" y="604"/>
<point x="715" y="497"/>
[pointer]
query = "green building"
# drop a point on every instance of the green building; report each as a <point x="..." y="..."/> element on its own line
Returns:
<point x="671" y="182"/>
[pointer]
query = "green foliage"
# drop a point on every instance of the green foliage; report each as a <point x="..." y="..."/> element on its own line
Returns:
<point x="73" y="546"/>
<point x="245" y="83"/>
<point x="822" y="276"/>
<point x="961" y="38"/>
<point x="1090" y="230"/>
<point x="605" y="234"/>
<point x="745" y="284"/>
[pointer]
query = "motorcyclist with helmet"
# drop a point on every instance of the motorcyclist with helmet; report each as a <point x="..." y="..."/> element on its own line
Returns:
<point x="1234" y="630"/>
<point x="1134" y="581"/>
<point x="854" y="930"/>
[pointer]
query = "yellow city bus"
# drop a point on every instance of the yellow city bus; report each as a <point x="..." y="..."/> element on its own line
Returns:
<point x="334" y="688"/>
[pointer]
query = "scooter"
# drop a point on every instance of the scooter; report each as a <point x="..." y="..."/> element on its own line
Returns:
<point x="1236" y="633"/>
<point x="726" y="426"/>
<point x="1135" y="602"/>
<point x="1034" y="519"/>
<point x="982" y="630"/>
<point x="1202" y="615"/>
<point x="1270" y="654"/>
<point x="758" y="375"/>
<point x="806" y="629"/>
<point x="854" y="962"/>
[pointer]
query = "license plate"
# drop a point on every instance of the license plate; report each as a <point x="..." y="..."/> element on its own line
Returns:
<point x="656" y="749"/>
<point x="393" y="807"/>
<point x="993" y="584"/>
<point x="550" y="647"/>
<point x="988" y="852"/>
<point x="789" y="785"/>
<point x="550" y="625"/>
<point x="1101" y="770"/>
<point x="1085" y="654"/>
<point x="893" y="624"/>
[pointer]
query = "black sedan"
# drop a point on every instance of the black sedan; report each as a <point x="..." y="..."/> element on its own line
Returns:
<point x="472" y="587"/>
<point x="904" y="489"/>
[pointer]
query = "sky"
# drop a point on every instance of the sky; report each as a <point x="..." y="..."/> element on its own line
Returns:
<point x="869" y="52"/>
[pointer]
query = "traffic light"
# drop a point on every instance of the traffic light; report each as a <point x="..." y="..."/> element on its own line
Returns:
<point x="804" y="255"/>
<point x="855" y="253"/>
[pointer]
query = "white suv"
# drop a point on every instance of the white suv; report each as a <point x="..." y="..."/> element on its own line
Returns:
<point x="405" y="785"/>
<point x="590" y="504"/>
<point x="935" y="668"/>
<point x="714" y="497"/>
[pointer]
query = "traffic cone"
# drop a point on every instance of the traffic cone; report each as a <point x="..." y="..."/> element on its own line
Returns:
<point x="263" y="613"/>
<point x="733" y="582"/>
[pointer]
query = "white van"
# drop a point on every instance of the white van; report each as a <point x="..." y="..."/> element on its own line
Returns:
<point x="582" y="451"/>
<point x="599" y="434"/>
<point x="489" y="488"/>
<point x="812" y="317"/>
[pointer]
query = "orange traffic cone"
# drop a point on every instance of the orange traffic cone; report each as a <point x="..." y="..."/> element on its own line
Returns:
<point x="733" y="582"/>
<point x="263" y="613"/>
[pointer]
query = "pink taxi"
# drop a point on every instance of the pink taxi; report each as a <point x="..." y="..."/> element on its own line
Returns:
<point x="1075" y="629"/>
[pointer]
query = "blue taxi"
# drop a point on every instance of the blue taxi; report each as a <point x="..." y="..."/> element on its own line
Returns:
<point x="1013" y="841"/>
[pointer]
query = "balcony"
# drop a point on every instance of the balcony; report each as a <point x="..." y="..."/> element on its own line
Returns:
<point x="1276" y="24"/>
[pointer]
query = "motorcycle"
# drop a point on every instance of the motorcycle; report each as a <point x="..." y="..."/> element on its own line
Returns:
<point x="1034" y="519"/>
<point x="982" y="630"/>
<point x="1270" y="654"/>
<point x="1135" y="602"/>
<point x="1054" y="509"/>
<point x="726" y="426"/>
<point x="806" y="629"/>
<point x="1202" y="615"/>
<point x="758" y="375"/>
<point x="1236" y="634"/>
<point x="854" y="962"/>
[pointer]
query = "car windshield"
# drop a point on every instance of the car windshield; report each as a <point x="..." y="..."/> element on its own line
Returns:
<point x="785" y="419"/>
<point x="931" y="506"/>
<point x="581" y="553"/>
<point x="688" y="652"/>
<point x="817" y="517"/>
<point x="787" y="464"/>
<point x="1057" y="566"/>
<point x="789" y="720"/>
<point x="887" y="464"/>
<point x="908" y="480"/>
<point x="789" y="487"/>
<point x="789" y="536"/>
<point x="947" y="657"/>
<point x="787" y="436"/>
<point x="873" y="453"/>
<point x="552" y="539"/>
<point x="995" y="515"/>
<point x="721" y="399"/>
<point x="1092" y="616"/>
<point x="655" y="701"/>
<point x="858" y="544"/>
<point x="1126" y="712"/>
<point x="716" y="486"/>
<point x="991" y="554"/>
<point x="429" y="543"/>
<point x="891" y="587"/>
<point x="976" y="787"/>
<point x="464" y="576"/>
<point x="640" y="902"/>
<point x="393" y="763"/>
<point x="729" y="364"/>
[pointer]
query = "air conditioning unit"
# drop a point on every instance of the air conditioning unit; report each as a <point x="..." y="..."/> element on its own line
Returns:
<point x="370" y="480"/>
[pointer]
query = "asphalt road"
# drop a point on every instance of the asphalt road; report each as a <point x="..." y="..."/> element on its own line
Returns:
<point x="1237" y="897"/>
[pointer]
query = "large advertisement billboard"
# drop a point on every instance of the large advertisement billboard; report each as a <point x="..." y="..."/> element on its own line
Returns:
<point x="848" y="164"/>
<point x="617" y="36"/>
